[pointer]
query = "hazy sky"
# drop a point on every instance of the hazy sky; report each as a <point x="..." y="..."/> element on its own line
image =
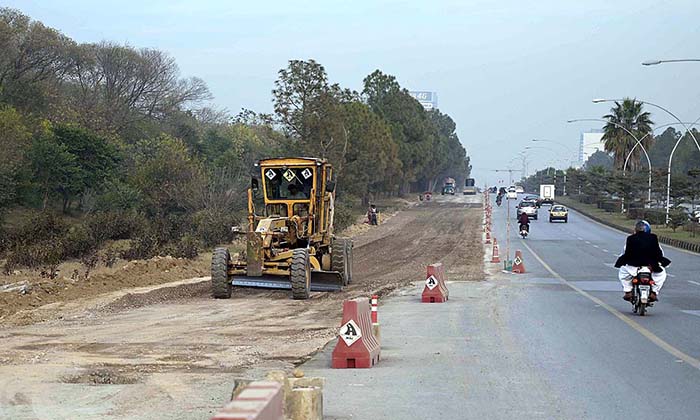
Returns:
<point x="507" y="71"/>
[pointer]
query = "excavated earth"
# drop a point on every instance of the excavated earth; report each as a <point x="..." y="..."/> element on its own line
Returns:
<point x="170" y="351"/>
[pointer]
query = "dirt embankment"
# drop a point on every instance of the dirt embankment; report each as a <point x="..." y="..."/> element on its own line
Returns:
<point x="174" y="351"/>
<point x="21" y="293"/>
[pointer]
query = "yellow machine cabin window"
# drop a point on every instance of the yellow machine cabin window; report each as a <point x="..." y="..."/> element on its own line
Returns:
<point x="279" y="210"/>
<point x="288" y="183"/>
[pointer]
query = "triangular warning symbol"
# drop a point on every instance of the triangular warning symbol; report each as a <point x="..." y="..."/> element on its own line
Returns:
<point x="431" y="282"/>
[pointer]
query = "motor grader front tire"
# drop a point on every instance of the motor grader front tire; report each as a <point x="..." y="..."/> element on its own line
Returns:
<point x="300" y="276"/>
<point x="220" y="283"/>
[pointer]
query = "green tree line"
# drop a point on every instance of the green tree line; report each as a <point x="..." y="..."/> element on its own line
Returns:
<point x="115" y="137"/>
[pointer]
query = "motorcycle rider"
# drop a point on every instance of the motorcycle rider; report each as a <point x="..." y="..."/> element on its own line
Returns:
<point x="642" y="249"/>
<point x="524" y="221"/>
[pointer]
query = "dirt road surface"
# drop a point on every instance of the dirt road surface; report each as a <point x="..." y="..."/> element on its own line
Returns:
<point x="170" y="351"/>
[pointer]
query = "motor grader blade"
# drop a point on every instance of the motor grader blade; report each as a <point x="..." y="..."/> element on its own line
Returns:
<point x="321" y="281"/>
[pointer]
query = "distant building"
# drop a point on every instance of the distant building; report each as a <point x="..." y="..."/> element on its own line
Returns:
<point x="591" y="142"/>
<point x="427" y="99"/>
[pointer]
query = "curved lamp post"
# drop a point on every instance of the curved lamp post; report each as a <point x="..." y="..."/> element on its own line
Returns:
<point x="670" y="158"/>
<point x="638" y="142"/>
<point x="680" y="60"/>
<point x="569" y="148"/>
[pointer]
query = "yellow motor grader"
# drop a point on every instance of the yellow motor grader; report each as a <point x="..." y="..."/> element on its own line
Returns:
<point x="290" y="242"/>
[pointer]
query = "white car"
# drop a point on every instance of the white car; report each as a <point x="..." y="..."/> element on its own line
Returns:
<point x="511" y="195"/>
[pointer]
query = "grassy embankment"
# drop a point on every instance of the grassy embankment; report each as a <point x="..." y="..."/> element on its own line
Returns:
<point x="623" y="223"/>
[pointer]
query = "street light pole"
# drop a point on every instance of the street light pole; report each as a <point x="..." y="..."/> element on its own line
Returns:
<point x="638" y="142"/>
<point x="510" y="182"/>
<point x="680" y="60"/>
<point x="668" y="178"/>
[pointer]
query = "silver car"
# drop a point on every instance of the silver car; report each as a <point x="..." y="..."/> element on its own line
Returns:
<point x="529" y="208"/>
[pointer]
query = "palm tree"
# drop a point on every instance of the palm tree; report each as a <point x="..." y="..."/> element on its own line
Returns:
<point x="631" y="115"/>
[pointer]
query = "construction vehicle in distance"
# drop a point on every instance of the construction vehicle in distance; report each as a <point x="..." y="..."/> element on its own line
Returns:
<point x="448" y="186"/>
<point x="290" y="242"/>
<point x="469" y="187"/>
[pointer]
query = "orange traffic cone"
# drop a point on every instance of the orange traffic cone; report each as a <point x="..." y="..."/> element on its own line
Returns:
<point x="494" y="256"/>
<point x="518" y="263"/>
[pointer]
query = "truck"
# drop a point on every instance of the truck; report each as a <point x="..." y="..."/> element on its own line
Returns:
<point x="469" y="187"/>
<point x="547" y="194"/>
<point x="448" y="186"/>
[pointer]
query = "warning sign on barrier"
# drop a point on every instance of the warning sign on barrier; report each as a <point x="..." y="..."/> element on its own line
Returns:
<point x="517" y="261"/>
<point x="350" y="332"/>
<point x="431" y="282"/>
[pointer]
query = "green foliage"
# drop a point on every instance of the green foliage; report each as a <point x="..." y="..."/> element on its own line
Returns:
<point x="601" y="159"/>
<point x="677" y="217"/>
<point x="112" y="135"/>
<point x="14" y="142"/>
<point x="627" y="122"/>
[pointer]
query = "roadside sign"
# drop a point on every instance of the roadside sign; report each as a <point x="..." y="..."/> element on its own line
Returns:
<point x="431" y="282"/>
<point x="306" y="173"/>
<point x="350" y="332"/>
<point x="270" y="174"/>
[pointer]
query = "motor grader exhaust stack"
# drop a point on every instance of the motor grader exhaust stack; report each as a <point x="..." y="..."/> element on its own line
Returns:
<point x="289" y="241"/>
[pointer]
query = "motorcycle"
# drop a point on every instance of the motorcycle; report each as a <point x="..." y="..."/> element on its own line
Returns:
<point x="641" y="288"/>
<point x="524" y="231"/>
<point x="498" y="201"/>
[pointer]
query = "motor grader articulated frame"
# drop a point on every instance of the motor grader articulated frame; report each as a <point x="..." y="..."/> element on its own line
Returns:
<point x="290" y="243"/>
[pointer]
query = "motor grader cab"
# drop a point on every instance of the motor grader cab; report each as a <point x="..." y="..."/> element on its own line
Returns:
<point x="289" y="242"/>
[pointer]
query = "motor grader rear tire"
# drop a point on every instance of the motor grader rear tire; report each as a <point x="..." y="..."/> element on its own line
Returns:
<point x="220" y="283"/>
<point x="300" y="276"/>
<point x="339" y="258"/>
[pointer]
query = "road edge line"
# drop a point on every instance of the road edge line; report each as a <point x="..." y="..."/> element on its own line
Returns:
<point x="632" y="323"/>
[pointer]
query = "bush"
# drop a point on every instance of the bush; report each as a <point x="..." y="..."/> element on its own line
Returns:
<point x="611" y="206"/>
<point x="39" y="227"/>
<point x="142" y="247"/>
<point x="343" y="217"/>
<point x="34" y="255"/>
<point x="213" y="228"/>
<point x="186" y="247"/>
<point x="114" y="225"/>
<point x="78" y="241"/>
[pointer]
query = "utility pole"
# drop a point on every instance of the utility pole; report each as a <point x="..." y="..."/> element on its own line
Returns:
<point x="508" y="262"/>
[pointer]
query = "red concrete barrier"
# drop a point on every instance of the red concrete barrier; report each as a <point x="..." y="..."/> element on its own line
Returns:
<point x="488" y="235"/>
<point x="435" y="290"/>
<point x="357" y="346"/>
<point x="495" y="258"/>
<point x="261" y="400"/>
<point x="518" y="263"/>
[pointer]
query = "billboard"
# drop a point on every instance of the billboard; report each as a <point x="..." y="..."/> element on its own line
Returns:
<point x="427" y="99"/>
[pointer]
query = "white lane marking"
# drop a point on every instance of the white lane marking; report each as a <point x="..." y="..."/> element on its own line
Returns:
<point x="694" y="282"/>
<point x="696" y="313"/>
<point x="671" y="275"/>
<point x="588" y="242"/>
<point x="678" y="354"/>
<point x="605" y="250"/>
<point x="595" y="246"/>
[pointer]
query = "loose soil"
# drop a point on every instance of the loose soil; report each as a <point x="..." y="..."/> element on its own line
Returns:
<point x="170" y="351"/>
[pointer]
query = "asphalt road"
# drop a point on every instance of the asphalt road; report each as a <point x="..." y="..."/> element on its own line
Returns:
<point x="557" y="342"/>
